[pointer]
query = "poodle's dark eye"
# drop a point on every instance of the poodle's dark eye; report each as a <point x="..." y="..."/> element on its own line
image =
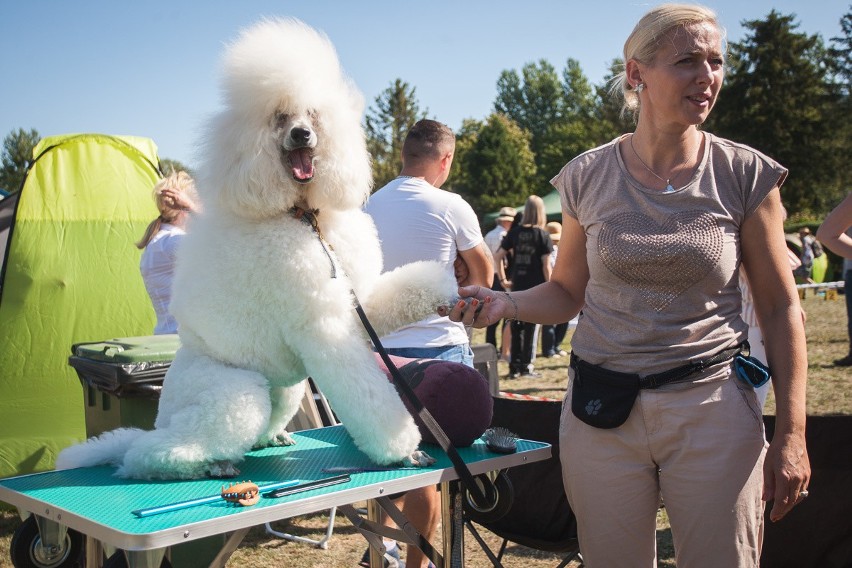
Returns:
<point x="281" y="119"/>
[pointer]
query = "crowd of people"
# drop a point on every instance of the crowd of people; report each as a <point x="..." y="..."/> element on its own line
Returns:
<point x="671" y="251"/>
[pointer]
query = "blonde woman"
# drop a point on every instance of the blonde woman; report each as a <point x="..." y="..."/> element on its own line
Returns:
<point x="530" y="245"/>
<point x="176" y="198"/>
<point x="661" y="399"/>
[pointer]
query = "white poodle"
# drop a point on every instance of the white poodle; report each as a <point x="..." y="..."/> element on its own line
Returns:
<point x="263" y="296"/>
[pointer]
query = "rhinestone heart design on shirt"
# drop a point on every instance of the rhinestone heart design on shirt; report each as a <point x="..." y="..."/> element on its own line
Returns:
<point x="661" y="261"/>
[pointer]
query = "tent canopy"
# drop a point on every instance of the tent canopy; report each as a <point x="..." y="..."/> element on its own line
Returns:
<point x="70" y="274"/>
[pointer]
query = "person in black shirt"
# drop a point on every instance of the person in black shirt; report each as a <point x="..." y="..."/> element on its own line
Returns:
<point x="530" y="246"/>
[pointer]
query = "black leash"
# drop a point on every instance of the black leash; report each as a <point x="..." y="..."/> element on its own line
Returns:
<point x="484" y="495"/>
<point x="486" y="498"/>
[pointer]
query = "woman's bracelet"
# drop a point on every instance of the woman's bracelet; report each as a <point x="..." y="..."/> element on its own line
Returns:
<point x="514" y="304"/>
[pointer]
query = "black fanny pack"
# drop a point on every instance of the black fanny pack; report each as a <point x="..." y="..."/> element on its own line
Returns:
<point x="604" y="398"/>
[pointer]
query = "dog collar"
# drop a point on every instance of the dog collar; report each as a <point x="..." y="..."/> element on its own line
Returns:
<point x="309" y="216"/>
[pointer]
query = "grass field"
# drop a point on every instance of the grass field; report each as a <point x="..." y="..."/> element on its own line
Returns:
<point x="829" y="392"/>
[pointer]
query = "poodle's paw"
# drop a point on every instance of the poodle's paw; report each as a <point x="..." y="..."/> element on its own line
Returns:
<point x="418" y="458"/>
<point x="275" y="440"/>
<point x="409" y="293"/>
<point x="222" y="470"/>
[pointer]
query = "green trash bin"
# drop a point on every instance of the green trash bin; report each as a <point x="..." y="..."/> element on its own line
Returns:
<point x="122" y="379"/>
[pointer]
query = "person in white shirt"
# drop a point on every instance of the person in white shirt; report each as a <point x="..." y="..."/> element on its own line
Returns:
<point x="416" y="220"/>
<point x="493" y="239"/>
<point x="176" y="198"/>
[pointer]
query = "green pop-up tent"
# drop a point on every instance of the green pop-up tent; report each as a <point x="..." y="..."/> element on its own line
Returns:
<point x="70" y="274"/>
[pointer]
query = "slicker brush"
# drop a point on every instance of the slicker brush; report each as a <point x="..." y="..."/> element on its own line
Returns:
<point x="500" y="440"/>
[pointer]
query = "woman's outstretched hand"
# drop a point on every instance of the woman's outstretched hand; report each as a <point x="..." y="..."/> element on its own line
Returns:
<point x="478" y="307"/>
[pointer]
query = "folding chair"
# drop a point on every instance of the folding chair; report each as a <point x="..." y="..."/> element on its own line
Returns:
<point x="538" y="515"/>
<point x="314" y="412"/>
<point x="485" y="361"/>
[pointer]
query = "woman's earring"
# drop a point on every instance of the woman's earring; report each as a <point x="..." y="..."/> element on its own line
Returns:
<point x="639" y="88"/>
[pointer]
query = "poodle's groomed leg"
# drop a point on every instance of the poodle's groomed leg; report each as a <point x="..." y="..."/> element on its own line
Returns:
<point x="209" y="416"/>
<point x="365" y="401"/>
<point x="285" y="404"/>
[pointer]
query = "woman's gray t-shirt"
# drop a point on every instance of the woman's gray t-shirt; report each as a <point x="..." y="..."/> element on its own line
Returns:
<point x="663" y="267"/>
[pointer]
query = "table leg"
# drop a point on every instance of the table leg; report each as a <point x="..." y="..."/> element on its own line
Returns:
<point x="374" y="514"/>
<point x="370" y="528"/>
<point x="231" y="544"/>
<point x="94" y="553"/>
<point x="411" y="535"/>
<point x="452" y="524"/>
<point x="145" y="558"/>
<point x="373" y="530"/>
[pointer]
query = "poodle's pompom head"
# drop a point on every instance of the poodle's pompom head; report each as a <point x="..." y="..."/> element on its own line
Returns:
<point x="290" y="133"/>
<point x="279" y="62"/>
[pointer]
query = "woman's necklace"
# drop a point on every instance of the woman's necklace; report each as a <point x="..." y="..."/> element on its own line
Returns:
<point x="669" y="187"/>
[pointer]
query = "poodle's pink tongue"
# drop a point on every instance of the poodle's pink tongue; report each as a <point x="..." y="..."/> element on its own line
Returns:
<point x="302" y="163"/>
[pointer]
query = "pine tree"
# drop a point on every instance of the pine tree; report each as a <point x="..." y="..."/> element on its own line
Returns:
<point x="779" y="99"/>
<point x="16" y="158"/>
<point x="499" y="165"/>
<point x="387" y="123"/>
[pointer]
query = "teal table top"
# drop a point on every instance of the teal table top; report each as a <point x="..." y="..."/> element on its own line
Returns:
<point x="95" y="502"/>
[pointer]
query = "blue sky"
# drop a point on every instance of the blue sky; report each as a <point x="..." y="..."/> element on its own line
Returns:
<point x="151" y="68"/>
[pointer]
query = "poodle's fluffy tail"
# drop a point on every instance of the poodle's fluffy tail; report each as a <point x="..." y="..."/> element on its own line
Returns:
<point x="107" y="449"/>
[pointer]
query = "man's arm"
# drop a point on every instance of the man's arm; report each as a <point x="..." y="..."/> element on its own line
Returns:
<point x="832" y="232"/>
<point x="480" y="269"/>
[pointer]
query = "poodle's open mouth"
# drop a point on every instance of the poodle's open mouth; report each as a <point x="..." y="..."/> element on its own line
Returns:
<point x="301" y="162"/>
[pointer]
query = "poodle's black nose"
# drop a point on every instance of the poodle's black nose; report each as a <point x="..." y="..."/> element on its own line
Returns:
<point x="301" y="135"/>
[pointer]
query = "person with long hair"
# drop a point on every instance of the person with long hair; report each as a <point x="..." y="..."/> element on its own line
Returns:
<point x="176" y="198"/>
<point x="661" y="402"/>
<point x="530" y="246"/>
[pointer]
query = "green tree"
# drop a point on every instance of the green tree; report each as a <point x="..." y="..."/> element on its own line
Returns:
<point x="841" y="53"/>
<point x="560" y="144"/>
<point x="499" y="165"/>
<point x="16" y="157"/>
<point x="578" y="94"/>
<point x="168" y="165"/>
<point x="533" y="99"/>
<point x="610" y="121"/>
<point x="394" y="112"/>
<point x="779" y="99"/>
<point x="585" y="122"/>
<point x="465" y="139"/>
<point x="563" y="117"/>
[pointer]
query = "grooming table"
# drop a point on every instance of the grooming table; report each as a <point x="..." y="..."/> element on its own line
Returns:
<point x="94" y="502"/>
